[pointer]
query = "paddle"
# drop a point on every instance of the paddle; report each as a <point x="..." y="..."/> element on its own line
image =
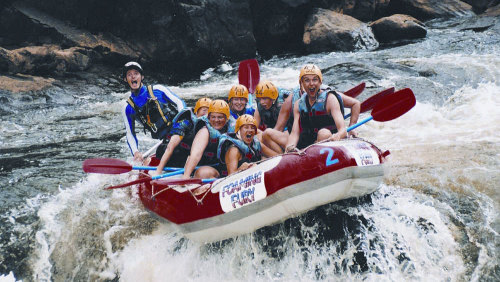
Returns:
<point x="373" y="100"/>
<point x="146" y="179"/>
<point x="167" y="182"/>
<point x="114" y="166"/>
<point x="356" y="90"/>
<point x="249" y="74"/>
<point x="150" y="151"/>
<point x="390" y="107"/>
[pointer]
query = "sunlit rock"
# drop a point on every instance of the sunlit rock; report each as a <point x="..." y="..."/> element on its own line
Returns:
<point x="398" y="27"/>
<point x="327" y="30"/>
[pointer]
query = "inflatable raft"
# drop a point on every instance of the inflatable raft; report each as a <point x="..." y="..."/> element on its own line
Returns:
<point x="272" y="191"/>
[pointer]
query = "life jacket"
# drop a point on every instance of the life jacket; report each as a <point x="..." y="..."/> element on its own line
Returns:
<point x="210" y="153"/>
<point x="155" y="116"/>
<point x="183" y="125"/>
<point x="268" y="118"/>
<point x="296" y="96"/>
<point x="313" y="118"/>
<point x="251" y="153"/>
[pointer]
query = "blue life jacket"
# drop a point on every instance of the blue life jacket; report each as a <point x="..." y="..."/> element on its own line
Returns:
<point x="251" y="153"/>
<point x="154" y="113"/>
<point x="296" y="96"/>
<point x="315" y="117"/>
<point x="183" y="125"/>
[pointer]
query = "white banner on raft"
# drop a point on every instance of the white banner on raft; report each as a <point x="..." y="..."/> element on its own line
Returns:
<point x="242" y="191"/>
<point x="363" y="153"/>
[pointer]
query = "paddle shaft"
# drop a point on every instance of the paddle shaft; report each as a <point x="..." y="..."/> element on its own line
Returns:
<point x="150" y="151"/>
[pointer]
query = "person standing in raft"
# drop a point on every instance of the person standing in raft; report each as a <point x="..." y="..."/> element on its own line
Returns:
<point x="239" y="150"/>
<point x="318" y="115"/>
<point x="177" y="145"/>
<point x="153" y="106"/>
<point x="208" y="130"/>
<point x="277" y="138"/>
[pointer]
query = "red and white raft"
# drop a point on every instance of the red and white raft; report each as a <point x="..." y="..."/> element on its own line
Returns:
<point x="272" y="191"/>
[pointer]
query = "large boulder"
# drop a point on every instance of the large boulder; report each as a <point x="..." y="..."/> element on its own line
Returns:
<point x="430" y="9"/>
<point x="327" y="30"/>
<point x="398" y="27"/>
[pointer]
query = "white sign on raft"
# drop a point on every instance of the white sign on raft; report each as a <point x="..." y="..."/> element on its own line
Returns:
<point x="242" y="191"/>
<point x="363" y="153"/>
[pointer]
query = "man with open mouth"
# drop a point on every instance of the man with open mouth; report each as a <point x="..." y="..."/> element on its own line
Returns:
<point x="153" y="106"/>
<point x="318" y="115"/>
<point x="239" y="150"/>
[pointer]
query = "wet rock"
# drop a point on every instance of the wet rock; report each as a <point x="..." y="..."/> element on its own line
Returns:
<point x="24" y="83"/>
<point x="478" y="24"/>
<point x="398" y="27"/>
<point x="493" y="11"/>
<point x="44" y="60"/>
<point x="365" y="10"/>
<point x="104" y="43"/>
<point x="173" y="37"/>
<point x="430" y="9"/>
<point x="327" y="30"/>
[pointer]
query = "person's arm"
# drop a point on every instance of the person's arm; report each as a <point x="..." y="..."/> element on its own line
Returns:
<point x="129" y="123"/>
<point x="333" y="107"/>
<point x="355" y="107"/>
<point x="175" y="140"/>
<point x="170" y="96"/>
<point x="293" y="139"/>
<point x="256" y="116"/>
<point x="200" y="142"/>
<point x="232" y="157"/>
<point x="286" y="107"/>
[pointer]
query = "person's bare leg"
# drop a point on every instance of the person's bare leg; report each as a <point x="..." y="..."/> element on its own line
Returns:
<point x="275" y="140"/>
<point x="323" y="134"/>
<point x="206" y="172"/>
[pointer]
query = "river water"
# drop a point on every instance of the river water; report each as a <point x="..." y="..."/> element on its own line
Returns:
<point x="435" y="218"/>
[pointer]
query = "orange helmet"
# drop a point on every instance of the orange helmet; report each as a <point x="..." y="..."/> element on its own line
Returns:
<point x="239" y="90"/>
<point x="203" y="102"/>
<point x="219" y="106"/>
<point x="310" y="69"/>
<point x="245" y="119"/>
<point x="266" y="89"/>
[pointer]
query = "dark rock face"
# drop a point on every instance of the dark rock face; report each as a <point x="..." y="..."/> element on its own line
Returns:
<point x="179" y="39"/>
<point x="170" y="36"/>
<point x="430" y="9"/>
<point x="480" y="6"/>
<point x="330" y="31"/>
<point x="279" y="25"/>
<point x="398" y="27"/>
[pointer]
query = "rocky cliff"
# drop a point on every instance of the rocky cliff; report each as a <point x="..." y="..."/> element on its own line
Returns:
<point x="181" y="38"/>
